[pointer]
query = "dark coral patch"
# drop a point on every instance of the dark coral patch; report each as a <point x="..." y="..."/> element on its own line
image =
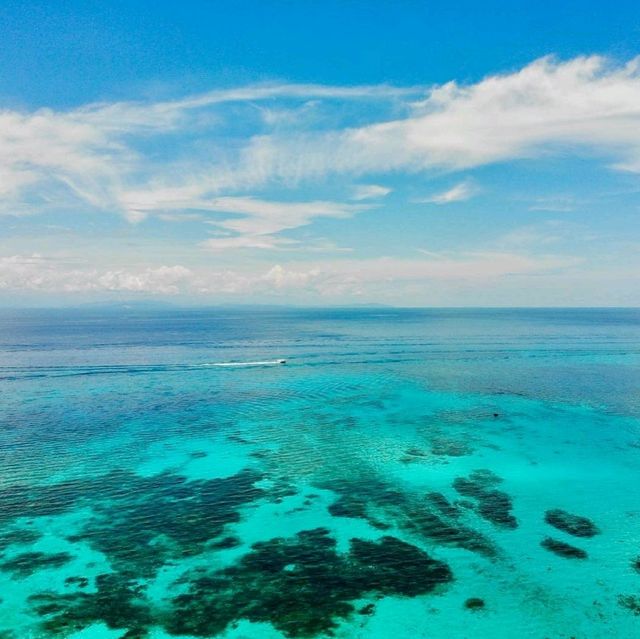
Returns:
<point x="485" y="477"/>
<point x="140" y="523"/>
<point x="27" y="563"/>
<point x="413" y="455"/>
<point x="630" y="602"/>
<point x="468" y="488"/>
<point x="394" y="567"/>
<point x="572" y="524"/>
<point x="354" y="506"/>
<point x="563" y="549"/>
<point x="24" y="501"/>
<point x="477" y="484"/>
<point x="166" y="518"/>
<point x="378" y="503"/>
<point x="20" y="536"/>
<point x="118" y="603"/>
<point x="474" y="603"/>
<point x="442" y="505"/>
<point x="124" y="494"/>
<point x="357" y="498"/>
<point x="635" y="564"/>
<point x="448" y="447"/>
<point x="225" y="543"/>
<point x="260" y="454"/>
<point x="80" y="582"/>
<point x="369" y="609"/>
<point x="493" y="505"/>
<point x="447" y="532"/>
<point x="281" y="489"/>
<point x="302" y="586"/>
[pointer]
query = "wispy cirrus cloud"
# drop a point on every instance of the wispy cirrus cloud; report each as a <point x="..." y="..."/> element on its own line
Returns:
<point x="207" y="157"/>
<point x="246" y="222"/>
<point x="555" y="204"/>
<point x="458" y="193"/>
<point x="369" y="192"/>
<point x="94" y="155"/>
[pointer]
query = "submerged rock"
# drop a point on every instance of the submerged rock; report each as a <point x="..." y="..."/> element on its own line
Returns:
<point x="563" y="549"/>
<point x="474" y="603"/>
<point x="572" y="524"/>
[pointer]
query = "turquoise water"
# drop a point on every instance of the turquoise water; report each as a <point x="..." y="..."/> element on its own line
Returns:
<point x="441" y="473"/>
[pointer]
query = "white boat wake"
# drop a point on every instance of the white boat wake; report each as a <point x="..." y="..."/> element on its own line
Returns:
<point x="271" y="362"/>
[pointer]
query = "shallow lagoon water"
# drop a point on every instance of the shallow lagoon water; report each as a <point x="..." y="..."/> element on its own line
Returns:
<point x="394" y="478"/>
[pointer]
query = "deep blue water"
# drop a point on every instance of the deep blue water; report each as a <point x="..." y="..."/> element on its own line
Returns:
<point x="407" y="473"/>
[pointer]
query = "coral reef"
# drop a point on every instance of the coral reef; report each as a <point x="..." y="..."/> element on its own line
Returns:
<point x="563" y="549"/>
<point x="572" y="524"/>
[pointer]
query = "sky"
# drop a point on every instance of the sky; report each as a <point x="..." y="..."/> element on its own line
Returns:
<point x="320" y="153"/>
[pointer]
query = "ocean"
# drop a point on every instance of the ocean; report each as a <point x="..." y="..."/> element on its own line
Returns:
<point x="442" y="473"/>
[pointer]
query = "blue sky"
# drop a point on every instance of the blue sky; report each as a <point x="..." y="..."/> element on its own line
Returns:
<point x="409" y="153"/>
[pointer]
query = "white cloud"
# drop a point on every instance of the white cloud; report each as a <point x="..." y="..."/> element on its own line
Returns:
<point x="253" y="222"/>
<point x="531" y="236"/>
<point x="580" y="106"/>
<point x="555" y="204"/>
<point x="264" y="242"/>
<point x="92" y="150"/>
<point x="458" y="193"/>
<point x="262" y="217"/>
<point x="203" y="159"/>
<point x="38" y="273"/>
<point x="369" y="191"/>
<point x="99" y="155"/>
<point x="334" y="278"/>
<point x="583" y="102"/>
